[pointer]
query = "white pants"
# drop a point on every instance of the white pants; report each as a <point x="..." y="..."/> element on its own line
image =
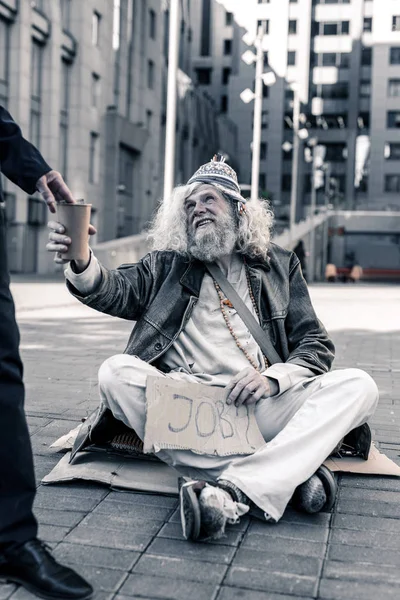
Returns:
<point x="301" y="427"/>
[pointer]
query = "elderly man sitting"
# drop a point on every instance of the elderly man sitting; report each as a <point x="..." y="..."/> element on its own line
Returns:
<point x="187" y="329"/>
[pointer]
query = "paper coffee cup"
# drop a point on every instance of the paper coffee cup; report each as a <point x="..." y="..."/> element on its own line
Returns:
<point x="76" y="220"/>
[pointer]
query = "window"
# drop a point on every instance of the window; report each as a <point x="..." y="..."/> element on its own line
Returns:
<point x="335" y="152"/>
<point x="366" y="57"/>
<point x="36" y="69"/>
<point x="227" y="47"/>
<point x="265" y="59"/>
<point x="396" y="23"/>
<point x="94" y="157"/>
<point x="393" y="119"/>
<point x="263" y="150"/>
<point x="226" y="73"/>
<point x="4" y="60"/>
<point x="363" y="120"/>
<point x="228" y="18"/>
<point x="330" y="29"/>
<point x="264" y="24"/>
<point x="367" y="26"/>
<point x="394" y="88"/>
<point x="262" y="181"/>
<point x="291" y="58"/>
<point x="392" y="151"/>
<point x="150" y="74"/>
<point x="331" y="1"/>
<point x="264" y="119"/>
<point x="205" y="28"/>
<point x="392" y="183"/>
<point x="334" y="28"/>
<point x="265" y="90"/>
<point x="286" y="184"/>
<point x="203" y="75"/>
<point x="224" y="104"/>
<point x="263" y="1"/>
<point x="96" y="18"/>
<point x="292" y="26"/>
<point x="95" y="90"/>
<point x="333" y="90"/>
<point x="395" y="55"/>
<point x="329" y="59"/>
<point x="152" y="24"/>
<point x="365" y="88"/>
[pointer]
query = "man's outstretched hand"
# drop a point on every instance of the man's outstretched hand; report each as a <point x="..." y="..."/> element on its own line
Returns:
<point x="54" y="189"/>
<point x="247" y="387"/>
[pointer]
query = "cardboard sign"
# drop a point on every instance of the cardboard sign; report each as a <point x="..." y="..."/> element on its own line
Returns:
<point x="193" y="416"/>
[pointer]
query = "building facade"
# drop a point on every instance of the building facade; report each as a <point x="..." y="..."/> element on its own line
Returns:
<point x="86" y="81"/>
<point x="344" y="58"/>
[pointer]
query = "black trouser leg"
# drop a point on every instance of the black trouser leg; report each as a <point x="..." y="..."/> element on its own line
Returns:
<point x="17" y="479"/>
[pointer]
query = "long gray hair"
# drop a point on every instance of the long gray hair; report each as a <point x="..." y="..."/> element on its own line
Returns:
<point x="168" y="230"/>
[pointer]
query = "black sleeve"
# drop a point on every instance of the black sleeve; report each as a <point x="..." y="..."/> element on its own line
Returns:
<point x="20" y="161"/>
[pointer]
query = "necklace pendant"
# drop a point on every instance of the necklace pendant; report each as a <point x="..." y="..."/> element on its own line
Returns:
<point x="227" y="303"/>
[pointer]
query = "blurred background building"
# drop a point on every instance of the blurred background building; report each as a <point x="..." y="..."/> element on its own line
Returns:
<point x="86" y="80"/>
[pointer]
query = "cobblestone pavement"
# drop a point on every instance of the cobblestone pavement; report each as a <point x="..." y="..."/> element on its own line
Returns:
<point x="129" y="545"/>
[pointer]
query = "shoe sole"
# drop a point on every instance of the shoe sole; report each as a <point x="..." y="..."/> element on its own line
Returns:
<point x="40" y="594"/>
<point x="330" y="486"/>
<point x="190" y="512"/>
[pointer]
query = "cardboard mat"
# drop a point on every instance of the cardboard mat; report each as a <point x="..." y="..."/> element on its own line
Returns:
<point x="121" y="472"/>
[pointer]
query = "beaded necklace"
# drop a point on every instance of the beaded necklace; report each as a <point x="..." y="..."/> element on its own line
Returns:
<point x="223" y="302"/>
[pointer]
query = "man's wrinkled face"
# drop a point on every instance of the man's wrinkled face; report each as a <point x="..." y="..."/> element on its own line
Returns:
<point x="204" y="209"/>
<point x="211" y="227"/>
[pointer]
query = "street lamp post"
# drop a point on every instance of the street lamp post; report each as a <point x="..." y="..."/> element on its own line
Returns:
<point x="173" y="48"/>
<point x="247" y="96"/>
<point x="255" y="164"/>
<point x="295" y="160"/>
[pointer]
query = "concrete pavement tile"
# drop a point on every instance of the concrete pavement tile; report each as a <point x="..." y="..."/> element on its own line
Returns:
<point x="331" y="589"/>
<point x="163" y="587"/>
<point x="362" y="554"/>
<point x="139" y="511"/>
<point x="192" y="550"/>
<point x="290" y="530"/>
<point x="234" y="593"/>
<point x="232" y="537"/>
<point x="348" y="493"/>
<point x="374" y="483"/>
<point x="109" y="538"/>
<point x="134" y="498"/>
<point x="81" y="554"/>
<point x="319" y="519"/>
<point x="57" y="428"/>
<point x="377" y="539"/>
<point x="284" y="583"/>
<point x="102" y="579"/>
<point x="75" y="489"/>
<point x="362" y="522"/>
<point x="41" y="444"/>
<point x="374" y="509"/>
<point x="47" y="516"/>
<point x="362" y="572"/>
<point x="290" y="563"/>
<point x="6" y="590"/>
<point x="180" y="568"/>
<point x="132" y="524"/>
<point x="265" y="543"/>
<point x="44" y="500"/>
<point x="52" y="533"/>
<point x="36" y="423"/>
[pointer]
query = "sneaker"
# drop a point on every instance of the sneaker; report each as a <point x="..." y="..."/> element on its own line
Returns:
<point x="206" y="510"/>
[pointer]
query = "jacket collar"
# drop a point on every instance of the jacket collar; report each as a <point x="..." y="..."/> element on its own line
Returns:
<point x="193" y="276"/>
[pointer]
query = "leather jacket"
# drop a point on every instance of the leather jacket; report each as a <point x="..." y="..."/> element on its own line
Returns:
<point x="160" y="292"/>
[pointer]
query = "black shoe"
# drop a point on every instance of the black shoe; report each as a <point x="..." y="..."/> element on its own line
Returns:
<point x="316" y="494"/>
<point x="32" y="566"/>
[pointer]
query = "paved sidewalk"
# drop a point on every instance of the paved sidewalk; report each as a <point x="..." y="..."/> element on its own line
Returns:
<point x="129" y="545"/>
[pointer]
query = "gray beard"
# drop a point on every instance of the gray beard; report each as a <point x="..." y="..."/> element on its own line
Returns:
<point x="217" y="240"/>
